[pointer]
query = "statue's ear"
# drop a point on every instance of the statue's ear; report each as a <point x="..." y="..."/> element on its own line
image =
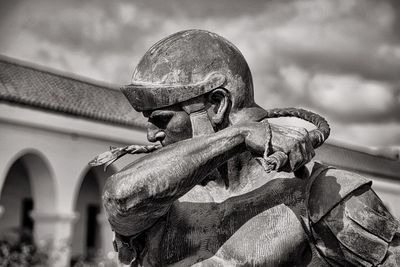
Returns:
<point x="219" y="101"/>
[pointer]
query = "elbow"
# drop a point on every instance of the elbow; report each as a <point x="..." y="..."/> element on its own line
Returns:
<point x="130" y="216"/>
<point x="121" y="209"/>
<point x="115" y="206"/>
<point x="118" y="200"/>
<point x="129" y="205"/>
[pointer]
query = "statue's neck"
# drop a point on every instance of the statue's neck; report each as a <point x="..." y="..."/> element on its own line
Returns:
<point x="237" y="173"/>
<point x="243" y="168"/>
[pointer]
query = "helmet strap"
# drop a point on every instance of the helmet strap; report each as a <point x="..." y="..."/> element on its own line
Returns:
<point x="201" y="123"/>
<point x="199" y="119"/>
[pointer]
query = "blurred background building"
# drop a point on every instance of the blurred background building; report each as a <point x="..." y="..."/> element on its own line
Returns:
<point x="51" y="126"/>
<point x="339" y="58"/>
<point x="53" y="123"/>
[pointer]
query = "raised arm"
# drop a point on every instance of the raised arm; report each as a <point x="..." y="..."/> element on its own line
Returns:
<point x="143" y="192"/>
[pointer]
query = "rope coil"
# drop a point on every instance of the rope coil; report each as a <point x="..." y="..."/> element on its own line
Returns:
<point x="317" y="137"/>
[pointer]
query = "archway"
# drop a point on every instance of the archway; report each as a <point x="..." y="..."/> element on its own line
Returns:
<point x="17" y="202"/>
<point x="87" y="239"/>
<point x="28" y="186"/>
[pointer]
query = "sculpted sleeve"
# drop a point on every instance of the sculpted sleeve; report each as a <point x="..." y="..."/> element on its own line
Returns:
<point x="349" y="224"/>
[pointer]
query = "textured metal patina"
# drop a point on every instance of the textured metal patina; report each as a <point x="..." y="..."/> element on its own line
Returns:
<point x="148" y="96"/>
<point x="179" y="67"/>
<point x="205" y="199"/>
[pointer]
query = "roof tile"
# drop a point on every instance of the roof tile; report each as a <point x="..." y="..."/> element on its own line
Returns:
<point x="49" y="90"/>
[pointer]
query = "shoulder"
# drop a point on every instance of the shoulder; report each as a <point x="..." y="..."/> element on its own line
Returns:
<point x="329" y="186"/>
<point x="349" y="223"/>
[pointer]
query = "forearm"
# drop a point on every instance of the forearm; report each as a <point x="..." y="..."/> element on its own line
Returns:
<point x="175" y="169"/>
<point x="153" y="182"/>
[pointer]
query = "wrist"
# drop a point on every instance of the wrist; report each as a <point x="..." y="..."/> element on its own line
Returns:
<point x="256" y="135"/>
<point x="268" y="145"/>
<point x="240" y="130"/>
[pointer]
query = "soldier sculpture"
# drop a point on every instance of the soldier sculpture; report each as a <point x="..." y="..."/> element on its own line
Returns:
<point x="205" y="196"/>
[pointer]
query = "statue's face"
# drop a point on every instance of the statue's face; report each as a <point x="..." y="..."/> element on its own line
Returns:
<point x="168" y="125"/>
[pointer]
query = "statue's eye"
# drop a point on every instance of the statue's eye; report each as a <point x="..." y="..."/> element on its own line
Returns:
<point x="161" y="120"/>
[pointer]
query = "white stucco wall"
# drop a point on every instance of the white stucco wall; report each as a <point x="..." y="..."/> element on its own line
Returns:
<point x="57" y="149"/>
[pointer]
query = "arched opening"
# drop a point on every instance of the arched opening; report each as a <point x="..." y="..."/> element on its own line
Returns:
<point x="27" y="187"/>
<point x="17" y="202"/>
<point x="87" y="240"/>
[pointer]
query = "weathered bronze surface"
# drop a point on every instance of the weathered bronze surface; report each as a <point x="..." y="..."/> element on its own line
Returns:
<point x="206" y="197"/>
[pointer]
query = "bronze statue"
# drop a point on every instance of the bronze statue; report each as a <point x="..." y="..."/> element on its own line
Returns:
<point x="207" y="196"/>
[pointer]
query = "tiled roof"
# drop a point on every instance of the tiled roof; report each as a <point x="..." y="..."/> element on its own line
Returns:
<point x="26" y="84"/>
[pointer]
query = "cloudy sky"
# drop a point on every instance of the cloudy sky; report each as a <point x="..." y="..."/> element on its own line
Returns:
<point x="340" y="58"/>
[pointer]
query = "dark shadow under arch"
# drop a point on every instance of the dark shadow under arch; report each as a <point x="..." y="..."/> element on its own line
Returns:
<point x="87" y="235"/>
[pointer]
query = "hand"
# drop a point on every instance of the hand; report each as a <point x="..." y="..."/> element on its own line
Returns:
<point x="295" y="143"/>
<point x="257" y="136"/>
<point x="283" y="148"/>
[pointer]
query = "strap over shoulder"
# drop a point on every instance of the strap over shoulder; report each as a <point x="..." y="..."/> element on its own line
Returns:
<point x="329" y="187"/>
<point x="349" y="223"/>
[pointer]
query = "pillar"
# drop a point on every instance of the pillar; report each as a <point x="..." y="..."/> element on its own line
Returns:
<point x="106" y="237"/>
<point x="53" y="232"/>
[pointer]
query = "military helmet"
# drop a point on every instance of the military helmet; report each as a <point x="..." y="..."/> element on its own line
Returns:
<point x="188" y="64"/>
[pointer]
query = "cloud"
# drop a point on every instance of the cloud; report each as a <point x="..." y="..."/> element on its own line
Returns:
<point x="372" y="134"/>
<point x="337" y="57"/>
<point x="345" y="97"/>
<point x="351" y="98"/>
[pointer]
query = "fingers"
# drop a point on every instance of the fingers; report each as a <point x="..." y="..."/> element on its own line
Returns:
<point x="299" y="155"/>
<point x="295" y="143"/>
<point x="280" y="161"/>
<point x="274" y="161"/>
<point x="309" y="149"/>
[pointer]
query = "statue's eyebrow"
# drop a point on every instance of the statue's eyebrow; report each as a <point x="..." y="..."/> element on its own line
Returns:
<point x="160" y="113"/>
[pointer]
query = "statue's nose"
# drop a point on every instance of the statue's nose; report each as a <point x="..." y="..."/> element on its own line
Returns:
<point x="155" y="134"/>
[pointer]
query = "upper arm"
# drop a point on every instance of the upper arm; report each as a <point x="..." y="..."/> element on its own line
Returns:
<point x="139" y="195"/>
<point x="358" y="230"/>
